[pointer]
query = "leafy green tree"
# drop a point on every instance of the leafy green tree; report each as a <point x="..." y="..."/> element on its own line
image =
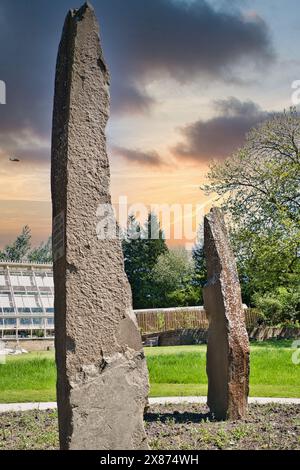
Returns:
<point x="188" y="296"/>
<point x="281" y="306"/>
<point x="173" y="268"/>
<point x="259" y="190"/>
<point x="266" y="260"/>
<point x="19" y="249"/>
<point x="173" y="275"/>
<point x="259" y="185"/>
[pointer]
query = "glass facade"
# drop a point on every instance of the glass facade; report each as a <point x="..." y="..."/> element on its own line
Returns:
<point x="26" y="300"/>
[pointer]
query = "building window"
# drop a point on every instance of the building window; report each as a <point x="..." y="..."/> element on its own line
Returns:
<point x="8" y="310"/>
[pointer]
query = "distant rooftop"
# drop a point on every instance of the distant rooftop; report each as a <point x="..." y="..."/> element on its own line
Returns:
<point x="24" y="264"/>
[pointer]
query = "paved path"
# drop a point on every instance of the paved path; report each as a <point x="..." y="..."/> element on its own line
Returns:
<point x="6" y="408"/>
<point x="202" y="400"/>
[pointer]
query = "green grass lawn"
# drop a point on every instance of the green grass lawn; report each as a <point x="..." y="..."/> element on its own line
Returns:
<point x="174" y="371"/>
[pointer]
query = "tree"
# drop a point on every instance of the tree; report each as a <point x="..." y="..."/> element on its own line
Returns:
<point x="259" y="189"/>
<point x="141" y="247"/>
<point x="260" y="184"/>
<point x="266" y="260"/>
<point x="172" y="276"/>
<point x="132" y="250"/>
<point x="173" y="268"/>
<point x="41" y="254"/>
<point x="200" y="271"/>
<point x="154" y="243"/>
<point x="281" y="306"/>
<point x="19" y="249"/>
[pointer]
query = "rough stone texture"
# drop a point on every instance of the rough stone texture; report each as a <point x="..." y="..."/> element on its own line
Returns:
<point x="228" y="344"/>
<point x="102" y="383"/>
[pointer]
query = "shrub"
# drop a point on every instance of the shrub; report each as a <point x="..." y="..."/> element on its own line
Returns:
<point x="279" y="306"/>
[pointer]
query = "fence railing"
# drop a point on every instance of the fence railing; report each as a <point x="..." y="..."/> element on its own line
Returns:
<point x="169" y="319"/>
<point x="149" y="321"/>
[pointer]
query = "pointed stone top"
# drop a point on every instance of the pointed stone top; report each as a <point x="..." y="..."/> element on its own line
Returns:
<point x="215" y="212"/>
<point x="216" y="218"/>
<point x="87" y="6"/>
<point x="217" y="245"/>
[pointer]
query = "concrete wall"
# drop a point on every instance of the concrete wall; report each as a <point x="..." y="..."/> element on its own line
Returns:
<point x="199" y="336"/>
<point x="262" y="333"/>
<point x="31" y="345"/>
<point x="172" y="338"/>
<point x="177" y="337"/>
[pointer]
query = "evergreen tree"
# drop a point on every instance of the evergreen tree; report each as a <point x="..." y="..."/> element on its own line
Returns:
<point x="154" y="245"/>
<point x="42" y="254"/>
<point x="141" y="247"/>
<point x="19" y="249"/>
<point x="153" y="240"/>
<point x="200" y="275"/>
<point x="132" y="250"/>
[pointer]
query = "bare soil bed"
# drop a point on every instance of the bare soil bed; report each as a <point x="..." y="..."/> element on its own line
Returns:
<point x="184" y="427"/>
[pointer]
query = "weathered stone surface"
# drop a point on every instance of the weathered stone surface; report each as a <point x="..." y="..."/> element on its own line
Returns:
<point x="228" y="344"/>
<point x="102" y="383"/>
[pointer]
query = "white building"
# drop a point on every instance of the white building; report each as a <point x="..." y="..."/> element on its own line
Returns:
<point x="27" y="310"/>
<point x="26" y="300"/>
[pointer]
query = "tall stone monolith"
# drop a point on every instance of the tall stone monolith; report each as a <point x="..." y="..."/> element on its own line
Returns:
<point x="228" y="344"/>
<point x="102" y="384"/>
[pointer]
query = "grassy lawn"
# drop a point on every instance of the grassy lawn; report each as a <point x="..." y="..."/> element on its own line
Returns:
<point x="174" y="371"/>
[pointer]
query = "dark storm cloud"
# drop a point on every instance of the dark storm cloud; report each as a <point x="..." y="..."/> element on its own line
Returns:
<point x="130" y="99"/>
<point x="26" y="145"/>
<point x="28" y="38"/>
<point x="147" y="40"/>
<point x="220" y="136"/>
<point x="143" y="41"/>
<point x="29" y="35"/>
<point x="148" y="158"/>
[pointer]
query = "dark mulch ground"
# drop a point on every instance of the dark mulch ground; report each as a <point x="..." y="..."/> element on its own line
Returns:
<point x="186" y="427"/>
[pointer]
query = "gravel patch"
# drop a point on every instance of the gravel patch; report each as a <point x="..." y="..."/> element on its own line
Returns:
<point x="172" y="427"/>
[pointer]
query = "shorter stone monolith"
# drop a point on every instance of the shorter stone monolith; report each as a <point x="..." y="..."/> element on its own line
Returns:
<point x="228" y="343"/>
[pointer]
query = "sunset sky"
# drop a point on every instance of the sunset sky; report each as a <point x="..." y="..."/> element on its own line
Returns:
<point x="188" y="79"/>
